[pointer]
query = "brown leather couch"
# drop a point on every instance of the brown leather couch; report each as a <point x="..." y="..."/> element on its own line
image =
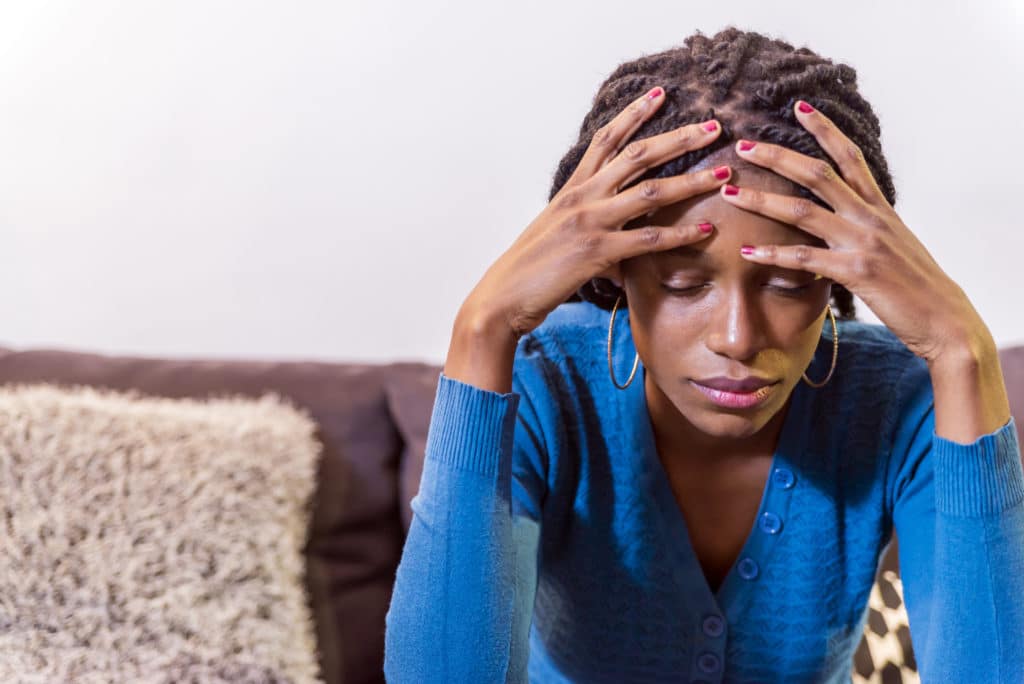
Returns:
<point x="373" y="421"/>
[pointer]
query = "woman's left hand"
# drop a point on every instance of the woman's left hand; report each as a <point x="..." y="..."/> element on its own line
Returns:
<point x="870" y="250"/>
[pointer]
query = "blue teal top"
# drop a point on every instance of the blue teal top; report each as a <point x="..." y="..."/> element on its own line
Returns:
<point x="546" y="544"/>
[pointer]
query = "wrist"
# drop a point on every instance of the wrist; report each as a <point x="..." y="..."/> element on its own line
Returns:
<point x="482" y="351"/>
<point x="484" y="325"/>
<point x="965" y="351"/>
<point x="969" y="389"/>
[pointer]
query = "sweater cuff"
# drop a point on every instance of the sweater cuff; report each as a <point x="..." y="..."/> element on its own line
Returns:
<point x="981" y="478"/>
<point x="470" y="426"/>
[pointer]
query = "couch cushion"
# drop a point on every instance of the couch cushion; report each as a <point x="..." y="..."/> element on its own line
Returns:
<point x="356" y="534"/>
<point x="152" y="539"/>
<point x="411" y="389"/>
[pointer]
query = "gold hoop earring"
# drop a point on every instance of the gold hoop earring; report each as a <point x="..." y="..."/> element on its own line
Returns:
<point x="611" y="372"/>
<point x="835" y="353"/>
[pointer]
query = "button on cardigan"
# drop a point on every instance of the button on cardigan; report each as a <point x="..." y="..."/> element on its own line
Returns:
<point x="546" y="544"/>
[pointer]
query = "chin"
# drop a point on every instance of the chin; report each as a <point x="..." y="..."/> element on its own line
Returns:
<point x="730" y="424"/>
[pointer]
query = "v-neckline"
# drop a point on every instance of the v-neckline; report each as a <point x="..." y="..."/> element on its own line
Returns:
<point x="775" y="499"/>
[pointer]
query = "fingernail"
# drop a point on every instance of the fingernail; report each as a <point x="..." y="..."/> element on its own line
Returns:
<point x="731" y="189"/>
<point x="705" y="227"/>
<point x="711" y="126"/>
<point x="747" y="249"/>
<point x="804" y="107"/>
<point x="721" y="172"/>
<point x="655" y="92"/>
<point x="746" y="145"/>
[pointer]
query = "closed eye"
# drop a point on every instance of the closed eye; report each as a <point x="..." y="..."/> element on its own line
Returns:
<point x="694" y="290"/>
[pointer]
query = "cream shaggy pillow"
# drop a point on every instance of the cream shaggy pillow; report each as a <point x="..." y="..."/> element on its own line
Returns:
<point x="146" y="539"/>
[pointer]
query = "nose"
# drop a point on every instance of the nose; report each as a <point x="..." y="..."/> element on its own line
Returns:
<point x="736" y="328"/>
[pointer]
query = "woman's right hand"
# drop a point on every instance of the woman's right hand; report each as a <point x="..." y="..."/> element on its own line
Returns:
<point x="578" y="235"/>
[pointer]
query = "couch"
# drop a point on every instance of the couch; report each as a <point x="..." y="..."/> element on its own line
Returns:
<point x="372" y="421"/>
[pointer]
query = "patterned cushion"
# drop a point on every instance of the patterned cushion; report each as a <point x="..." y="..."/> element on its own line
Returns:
<point x="884" y="655"/>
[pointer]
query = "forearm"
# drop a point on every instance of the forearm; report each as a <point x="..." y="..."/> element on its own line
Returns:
<point x="451" y="615"/>
<point x="970" y="392"/>
<point x="959" y="516"/>
<point x="974" y="624"/>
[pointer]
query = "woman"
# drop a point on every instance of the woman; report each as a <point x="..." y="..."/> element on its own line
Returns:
<point x="690" y="475"/>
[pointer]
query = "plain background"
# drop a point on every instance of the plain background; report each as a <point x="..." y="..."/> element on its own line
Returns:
<point x="325" y="180"/>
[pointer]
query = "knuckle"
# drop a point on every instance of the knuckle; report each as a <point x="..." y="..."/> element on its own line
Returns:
<point x="604" y="136"/>
<point x="877" y="223"/>
<point x="822" y="171"/>
<point x="707" y="182"/>
<point x="685" y="136"/>
<point x="864" y="267"/>
<point x="801" y="208"/>
<point x="570" y="198"/>
<point x="590" y="243"/>
<point x="572" y="221"/>
<point x="873" y="243"/>
<point x="649" y="236"/>
<point x="802" y="254"/>
<point x="649" y="189"/>
<point x="854" y="152"/>
<point x="635" y="150"/>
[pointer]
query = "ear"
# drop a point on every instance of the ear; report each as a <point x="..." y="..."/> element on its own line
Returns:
<point x="613" y="273"/>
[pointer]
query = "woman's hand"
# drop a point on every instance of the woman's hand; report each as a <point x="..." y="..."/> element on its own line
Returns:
<point x="577" y="236"/>
<point x="870" y="250"/>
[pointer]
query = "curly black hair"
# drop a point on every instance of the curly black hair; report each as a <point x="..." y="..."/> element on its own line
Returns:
<point x="750" y="83"/>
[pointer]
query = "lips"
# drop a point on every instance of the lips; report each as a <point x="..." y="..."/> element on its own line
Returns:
<point x="747" y="384"/>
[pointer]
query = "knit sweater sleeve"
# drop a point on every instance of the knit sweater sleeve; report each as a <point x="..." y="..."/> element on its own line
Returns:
<point x="958" y="510"/>
<point x="462" y="602"/>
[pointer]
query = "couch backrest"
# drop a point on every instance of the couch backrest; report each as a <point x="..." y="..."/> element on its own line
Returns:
<point x="373" y="422"/>
<point x="357" y="530"/>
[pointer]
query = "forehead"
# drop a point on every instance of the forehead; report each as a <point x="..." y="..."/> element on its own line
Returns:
<point x="734" y="225"/>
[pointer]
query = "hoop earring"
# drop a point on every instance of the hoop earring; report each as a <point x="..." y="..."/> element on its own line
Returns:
<point x="835" y="353"/>
<point x="611" y="372"/>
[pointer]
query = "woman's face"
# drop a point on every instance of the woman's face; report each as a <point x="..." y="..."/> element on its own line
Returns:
<point x="741" y="319"/>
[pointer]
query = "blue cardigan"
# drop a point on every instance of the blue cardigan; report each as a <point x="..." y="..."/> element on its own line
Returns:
<point x="546" y="544"/>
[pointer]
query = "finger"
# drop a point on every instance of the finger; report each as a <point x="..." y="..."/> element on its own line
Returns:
<point x="797" y="211"/>
<point x="821" y="261"/>
<point x="843" y="150"/>
<point x="649" y="195"/>
<point x="610" y="138"/>
<point x="625" y="244"/>
<point x="640" y="155"/>
<point x="816" y="174"/>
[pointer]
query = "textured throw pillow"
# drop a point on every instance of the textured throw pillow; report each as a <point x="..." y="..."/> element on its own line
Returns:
<point x="153" y="539"/>
<point x="885" y="654"/>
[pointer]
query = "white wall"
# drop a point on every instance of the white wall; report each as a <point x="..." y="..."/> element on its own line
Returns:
<point x="309" y="179"/>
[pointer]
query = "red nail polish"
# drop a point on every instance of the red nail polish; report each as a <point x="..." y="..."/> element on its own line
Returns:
<point x="710" y="126"/>
<point x="731" y="189"/>
<point x="655" y="92"/>
<point x="721" y="172"/>
<point x="705" y="227"/>
<point x="746" y="145"/>
<point x="804" y="107"/>
<point x="746" y="249"/>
